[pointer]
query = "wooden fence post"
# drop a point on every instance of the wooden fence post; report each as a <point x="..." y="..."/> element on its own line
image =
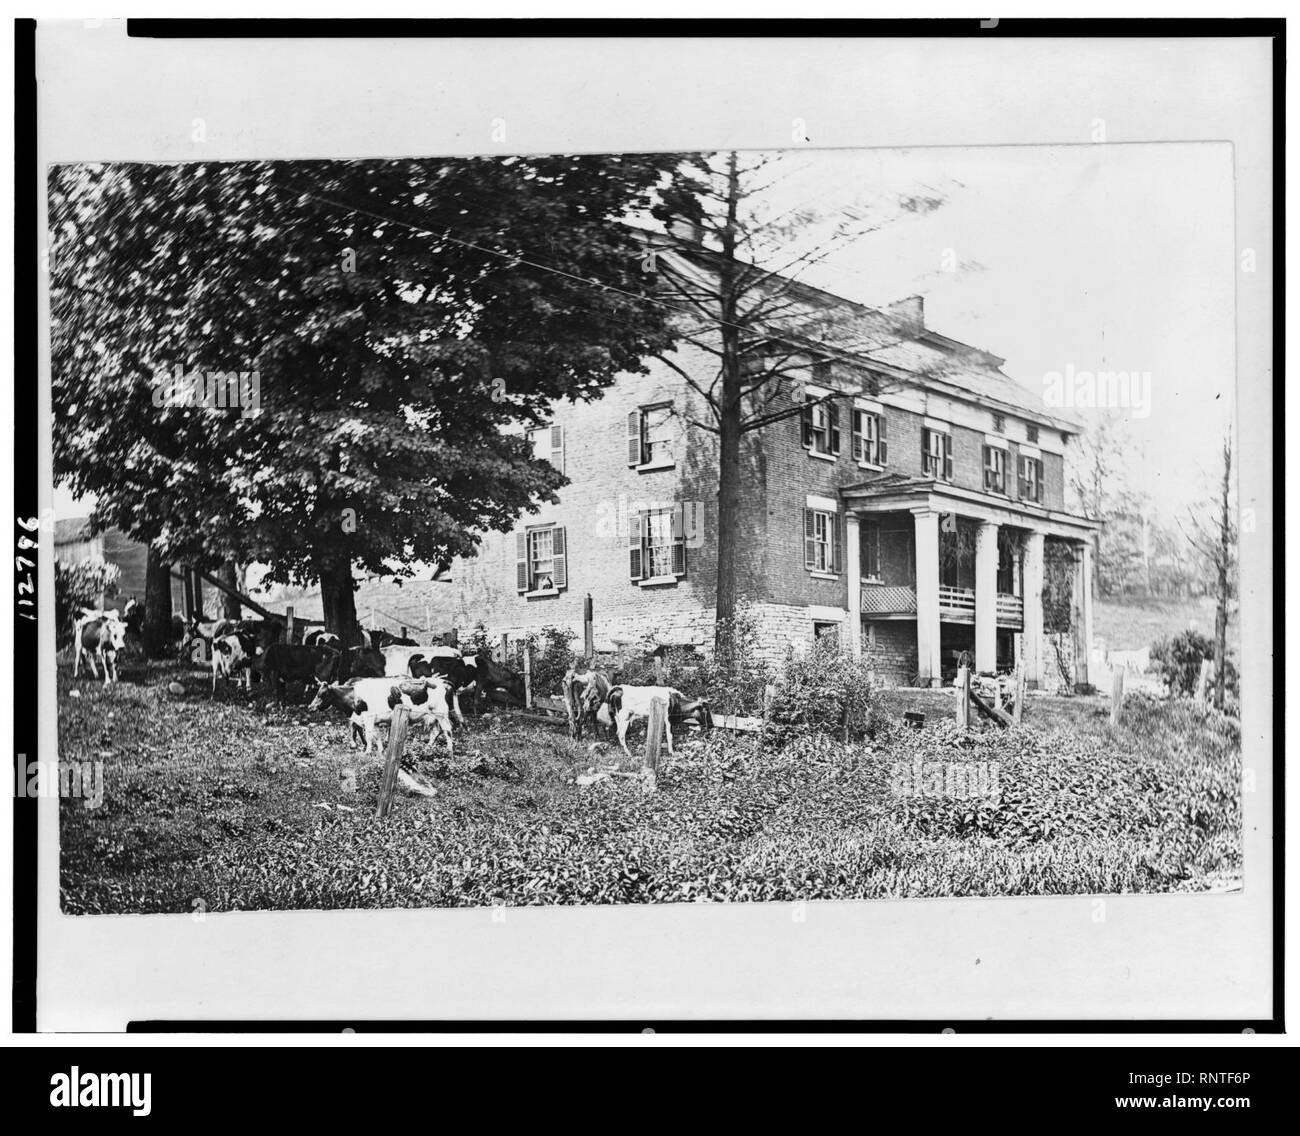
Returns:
<point x="588" y="638"/>
<point x="402" y="630"/>
<point x="654" y="736"/>
<point x="288" y="624"/>
<point x="1020" y="693"/>
<point x="1203" y="680"/>
<point x="963" y="697"/>
<point x="392" y="759"/>
<point x="1116" y="694"/>
<point x="659" y="670"/>
<point x="528" y="677"/>
<point x="455" y="639"/>
<point x="504" y="658"/>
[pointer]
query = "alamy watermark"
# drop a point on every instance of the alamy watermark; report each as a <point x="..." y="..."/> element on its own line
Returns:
<point x="1130" y="390"/>
<point x="957" y="780"/>
<point x="76" y="779"/>
<point x="209" y="390"/>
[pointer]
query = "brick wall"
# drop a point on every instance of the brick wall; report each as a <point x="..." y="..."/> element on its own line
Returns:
<point x="889" y="645"/>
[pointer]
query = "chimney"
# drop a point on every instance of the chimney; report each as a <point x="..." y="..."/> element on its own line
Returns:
<point x="910" y="312"/>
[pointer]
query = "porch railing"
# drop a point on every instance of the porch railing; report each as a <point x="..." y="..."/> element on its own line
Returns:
<point x="887" y="599"/>
<point x="954" y="603"/>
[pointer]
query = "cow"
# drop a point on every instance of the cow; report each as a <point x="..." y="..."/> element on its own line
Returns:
<point x="322" y="638"/>
<point x="379" y="639"/>
<point x="623" y="704"/>
<point x="350" y="663"/>
<point x="281" y="663"/>
<point x="99" y="637"/>
<point x="230" y="653"/>
<point x="583" y="693"/>
<point x="497" y="682"/>
<point x="370" y="700"/>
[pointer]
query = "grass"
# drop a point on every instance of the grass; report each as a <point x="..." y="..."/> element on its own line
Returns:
<point x="235" y="805"/>
<point x="1128" y="625"/>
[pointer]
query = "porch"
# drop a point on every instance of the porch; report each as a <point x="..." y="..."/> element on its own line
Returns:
<point x="969" y="573"/>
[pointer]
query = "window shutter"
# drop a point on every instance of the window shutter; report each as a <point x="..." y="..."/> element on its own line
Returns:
<point x="679" y="542"/>
<point x="925" y="450"/>
<point x="807" y="420"/>
<point x="809" y="539"/>
<point x="634" y="438"/>
<point x="836" y="544"/>
<point x="560" y="559"/>
<point x="882" y="447"/>
<point x="833" y="425"/>
<point x="1038" y="481"/>
<point x="859" y="435"/>
<point x="988" y="472"/>
<point x="557" y="447"/>
<point x="521" y="562"/>
<point x="947" y="457"/>
<point x="634" y="523"/>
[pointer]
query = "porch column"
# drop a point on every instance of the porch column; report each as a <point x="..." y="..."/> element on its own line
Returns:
<point x="986" y="598"/>
<point x="1032" y="596"/>
<point x="928" y="659"/>
<point x="1085" y="585"/>
<point x="853" y="567"/>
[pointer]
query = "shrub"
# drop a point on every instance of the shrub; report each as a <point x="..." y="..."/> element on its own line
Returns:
<point x="825" y="691"/>
<point x="553" y="655"/>
<point x="77" y="586"/>
<point x="1178" y="658"/>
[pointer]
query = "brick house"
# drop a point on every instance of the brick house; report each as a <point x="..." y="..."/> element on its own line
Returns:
<point x="915" y="496"/>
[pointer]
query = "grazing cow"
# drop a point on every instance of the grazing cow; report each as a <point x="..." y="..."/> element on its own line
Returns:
<point x="623" y="704"/>
<point x="282" y="663"/>
<point x="370" y="700"/>
<point x="232" y="653"/>
<point x="98" y="637"/>
<point x="499" y="683"/>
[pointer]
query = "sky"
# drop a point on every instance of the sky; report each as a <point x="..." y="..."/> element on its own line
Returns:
<point x="1090" y="258"/>
<point x="1060" y="259"/>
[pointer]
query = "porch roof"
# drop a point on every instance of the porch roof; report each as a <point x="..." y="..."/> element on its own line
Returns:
<point x="889" y="492"/>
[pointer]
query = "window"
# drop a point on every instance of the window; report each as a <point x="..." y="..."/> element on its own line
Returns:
<point x="656" y="545"/>
<point x="870" y="550"/>
<point x="999" y="423"/>
<point x="936" y="453"/>
<point x="650" y="436"/>
<point x="869" y="445"/>
<point x="821" y="541"/>
<point x="548" y="445"/>
<point x="1031" y="479"/>
<point x="1031" y="432"/>
<point x="826" y="630"/>
<point x="541" y="562"/>
<point x="995" y="469"/>
<point x="821" y="425"/>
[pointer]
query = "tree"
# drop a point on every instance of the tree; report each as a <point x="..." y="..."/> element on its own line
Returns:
<point x="1217" y="541"/>
<point x="737" y="292"/>
<point x="405" y="321"/>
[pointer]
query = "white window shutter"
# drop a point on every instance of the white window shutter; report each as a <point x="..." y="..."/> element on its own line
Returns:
<point x="557" y="447"/>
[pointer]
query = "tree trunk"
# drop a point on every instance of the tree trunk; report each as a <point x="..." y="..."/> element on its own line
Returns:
<point x="729" y="429"/>
<point x="228" y="574"/>
<point x="157" y="634"/>
<point x="338" y="599"/>
<point x="1224" y="566"/>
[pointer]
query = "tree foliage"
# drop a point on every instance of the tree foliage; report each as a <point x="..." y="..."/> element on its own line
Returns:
<point x="400" y="316"/>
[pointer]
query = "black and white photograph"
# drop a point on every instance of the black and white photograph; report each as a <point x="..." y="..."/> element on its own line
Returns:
<point x="801" y="520"/>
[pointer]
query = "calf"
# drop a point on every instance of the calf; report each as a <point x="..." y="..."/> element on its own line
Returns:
<point x="623" y="704"/>
<point x="232" y="653"/>
<point x="98" y="638"/>
<point x="498" y="682"/>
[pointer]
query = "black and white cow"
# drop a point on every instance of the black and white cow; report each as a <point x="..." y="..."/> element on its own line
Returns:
<point x="99" y="637"/>
<point x="623" y="704"/>
<point x="368" y="701"/>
